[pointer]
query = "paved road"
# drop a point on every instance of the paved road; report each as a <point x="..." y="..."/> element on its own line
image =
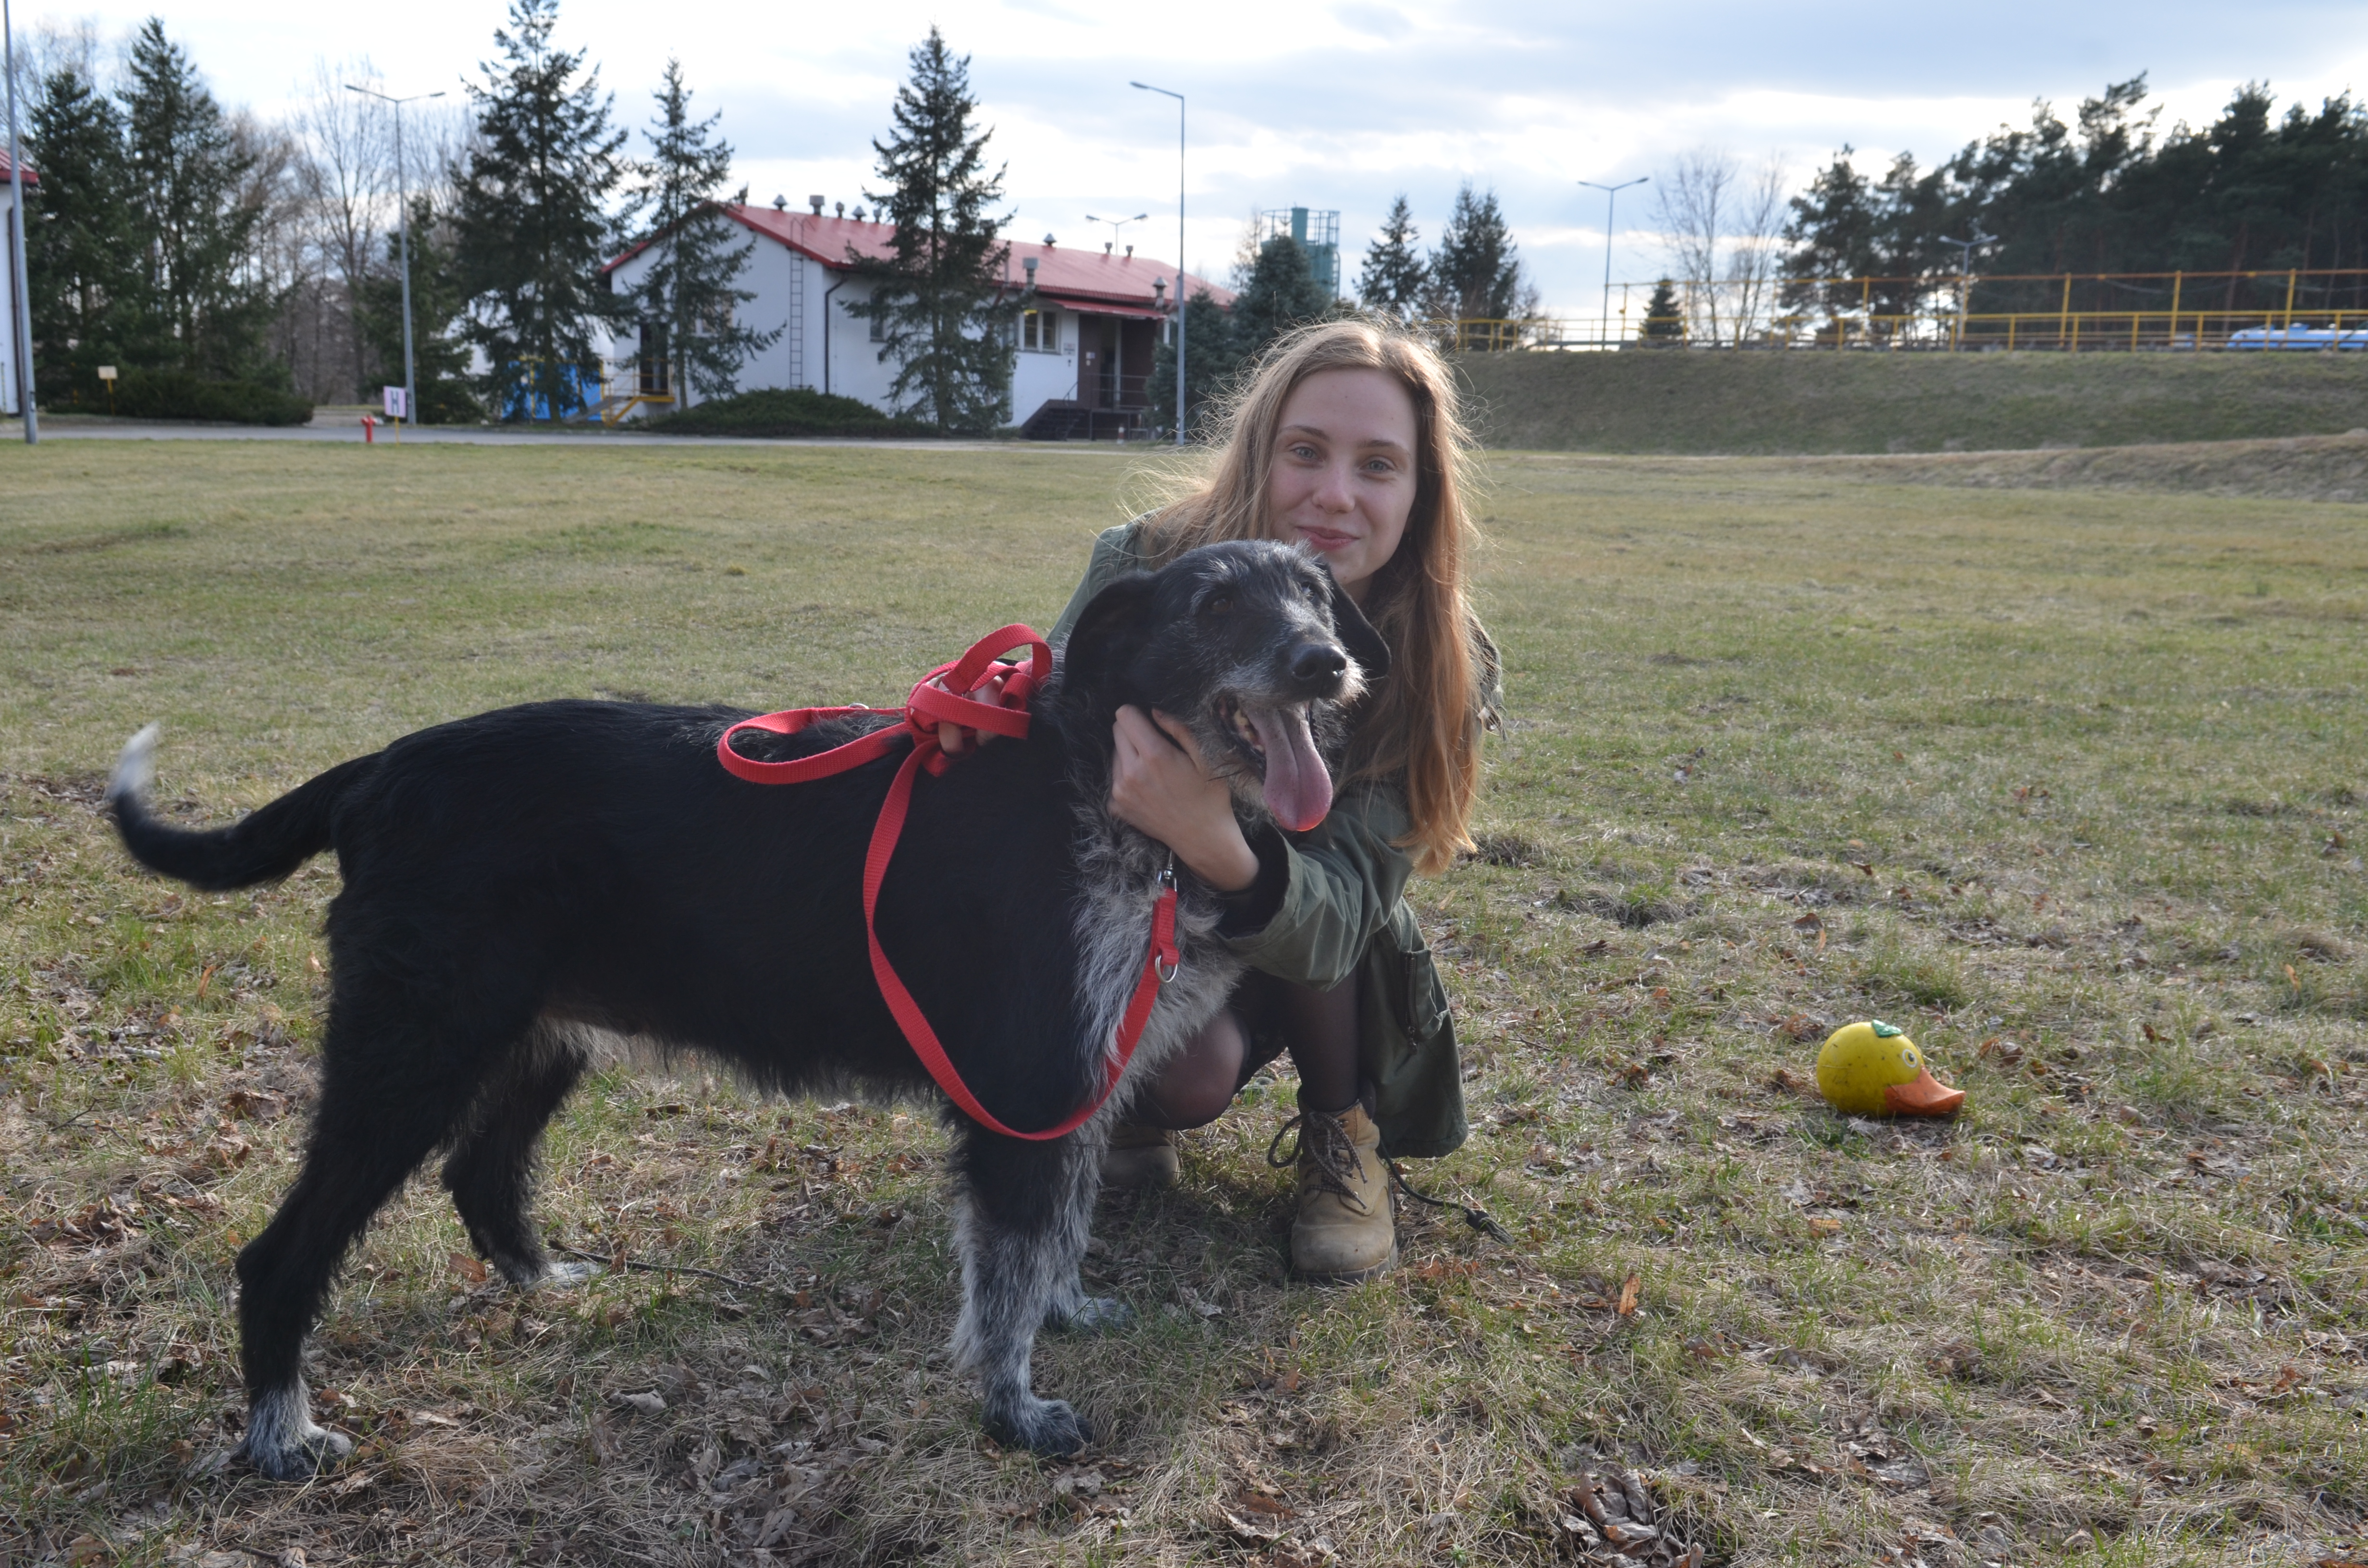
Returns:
<point x="72" y="429"/>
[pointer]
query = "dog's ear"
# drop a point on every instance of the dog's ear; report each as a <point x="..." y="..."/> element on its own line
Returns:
<point x="1109" y="632"/>
<point x="1357" y="634"/>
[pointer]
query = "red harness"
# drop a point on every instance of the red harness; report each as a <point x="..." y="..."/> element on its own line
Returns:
<point x="946" y="695"/>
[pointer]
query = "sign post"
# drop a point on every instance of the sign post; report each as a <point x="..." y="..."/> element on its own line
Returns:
<point x="398" y="409"/>
<point x="107" y="374"/>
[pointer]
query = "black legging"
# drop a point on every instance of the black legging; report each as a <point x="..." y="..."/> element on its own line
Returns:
<point x="1318" y="1027"/>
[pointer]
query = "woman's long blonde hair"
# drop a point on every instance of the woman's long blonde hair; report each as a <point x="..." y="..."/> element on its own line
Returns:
<point x="1423" y="721"/>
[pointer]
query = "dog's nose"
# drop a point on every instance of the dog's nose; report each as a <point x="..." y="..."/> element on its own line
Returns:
<point x="1317" y="664"/>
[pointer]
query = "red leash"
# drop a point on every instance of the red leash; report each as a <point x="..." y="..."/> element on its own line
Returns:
<point x="947" y="695"/>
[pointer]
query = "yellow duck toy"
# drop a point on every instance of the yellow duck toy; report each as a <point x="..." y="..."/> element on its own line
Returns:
<point x="1873" y="1069"/>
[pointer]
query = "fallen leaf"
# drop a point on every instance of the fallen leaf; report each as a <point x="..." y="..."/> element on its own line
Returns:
<point x="1246" y="1532"/>
<point x="2154" y="1036"/>
<point x="647" y="1403"/>
<point x="1629" y="1290"/>
<point x="1826" y="1225"/>
<point x="468" y="1268"/>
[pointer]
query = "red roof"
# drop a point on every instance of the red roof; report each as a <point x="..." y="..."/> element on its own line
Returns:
<point x="1091" y="280"/>
<point x="30" y="177"/>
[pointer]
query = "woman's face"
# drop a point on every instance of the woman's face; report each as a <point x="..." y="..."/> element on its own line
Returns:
<point x="1343" y="479"/>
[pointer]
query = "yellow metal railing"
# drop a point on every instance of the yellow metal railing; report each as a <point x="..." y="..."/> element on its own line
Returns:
<point x="2280" y="309"/>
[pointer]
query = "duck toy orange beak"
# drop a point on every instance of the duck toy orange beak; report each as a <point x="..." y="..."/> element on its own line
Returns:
<point x="1873" y="1069"/>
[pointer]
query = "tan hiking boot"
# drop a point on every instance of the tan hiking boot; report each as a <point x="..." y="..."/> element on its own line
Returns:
<point x="1347" y="1228"/>
<point x="1140" y="1156"/>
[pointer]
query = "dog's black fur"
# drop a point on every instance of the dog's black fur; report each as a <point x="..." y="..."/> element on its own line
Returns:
<point x="519" y="884"/>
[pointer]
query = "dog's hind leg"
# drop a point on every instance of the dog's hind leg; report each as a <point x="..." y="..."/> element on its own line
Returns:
<point x="1071" y="1311"/>
<point x="491" y="1172"/>
<point x="366" y="1138"/>
<point x="1023" y="1215"/>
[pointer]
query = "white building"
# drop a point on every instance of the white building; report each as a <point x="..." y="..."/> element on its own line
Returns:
<point x="8" y="361"/>
<point x="1088" y="331"/>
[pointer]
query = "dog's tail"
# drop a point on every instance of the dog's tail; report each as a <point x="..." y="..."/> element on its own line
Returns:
<point x="259" y="847"/>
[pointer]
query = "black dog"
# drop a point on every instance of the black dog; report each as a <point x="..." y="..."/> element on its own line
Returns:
<point x="519" y="884"/>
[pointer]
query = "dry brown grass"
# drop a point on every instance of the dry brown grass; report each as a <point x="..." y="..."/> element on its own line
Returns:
<point x="2069" y="782"/>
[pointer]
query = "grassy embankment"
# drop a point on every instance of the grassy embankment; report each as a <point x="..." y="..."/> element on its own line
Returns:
<point x="2071" y="783"/>
<point x="1803" y="402"/>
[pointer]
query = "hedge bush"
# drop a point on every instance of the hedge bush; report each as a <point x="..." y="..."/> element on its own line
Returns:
<point x="176" y="395"/>
<point x="783" y="411"/>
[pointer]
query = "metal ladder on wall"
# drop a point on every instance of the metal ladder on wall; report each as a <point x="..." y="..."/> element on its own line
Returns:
<point x="793" y="340"/>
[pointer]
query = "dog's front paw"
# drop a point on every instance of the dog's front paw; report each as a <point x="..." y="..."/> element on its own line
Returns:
<point x="566" y="1276"/>
<point x="1051" y="1427"/>
<point x="295" y="1455"/>
<point x="1091" y="1314"/>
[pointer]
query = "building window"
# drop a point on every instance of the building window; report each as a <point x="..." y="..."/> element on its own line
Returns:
<point x="1040" y="330"/>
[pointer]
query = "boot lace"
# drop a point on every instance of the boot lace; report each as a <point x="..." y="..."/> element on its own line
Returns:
<point x="1322" y="1139"/>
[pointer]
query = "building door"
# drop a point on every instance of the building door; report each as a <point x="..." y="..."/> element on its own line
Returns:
<point x="1138" y="346"/>
<point x="1106" y="395"/>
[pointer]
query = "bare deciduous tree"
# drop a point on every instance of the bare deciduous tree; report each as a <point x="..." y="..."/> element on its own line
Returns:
<point x="349" y="182"/>
<point x="1721" y="224"/>
<point x="1753" y="258"/>
<point x="1690" y="208"/>
<point x="283" y="258"/>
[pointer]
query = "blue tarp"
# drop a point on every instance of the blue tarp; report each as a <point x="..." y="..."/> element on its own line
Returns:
<point x="2298" y="337"/>
<point x="526" y="400"/>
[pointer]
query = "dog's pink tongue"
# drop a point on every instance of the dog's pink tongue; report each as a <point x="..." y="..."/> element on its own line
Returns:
<point x="1298" y="789"/>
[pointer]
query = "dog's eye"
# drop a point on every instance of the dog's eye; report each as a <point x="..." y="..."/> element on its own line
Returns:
<point x="1217" y="604"/>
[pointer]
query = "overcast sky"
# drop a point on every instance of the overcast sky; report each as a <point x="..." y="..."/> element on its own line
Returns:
<point x="1328" y="105"/>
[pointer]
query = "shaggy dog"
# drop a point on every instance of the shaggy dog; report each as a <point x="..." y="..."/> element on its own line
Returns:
<point x="522" y="887"/>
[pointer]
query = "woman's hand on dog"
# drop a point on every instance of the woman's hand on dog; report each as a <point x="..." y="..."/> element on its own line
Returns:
<point x="1160" y="784"/>
<point x="955" y="739"/>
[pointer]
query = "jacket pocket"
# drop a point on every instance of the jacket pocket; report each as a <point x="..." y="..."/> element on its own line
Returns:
<point x="1422" y="999"/>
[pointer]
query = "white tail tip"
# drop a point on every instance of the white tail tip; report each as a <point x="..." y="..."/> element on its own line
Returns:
<point x="137" y="766"/>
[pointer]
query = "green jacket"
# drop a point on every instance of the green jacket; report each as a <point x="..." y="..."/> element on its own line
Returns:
<point x="1338" y="899"/>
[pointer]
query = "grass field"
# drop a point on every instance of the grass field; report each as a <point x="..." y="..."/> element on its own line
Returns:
<point x="2071" y="782"/>
<point x="1806" y="401"/>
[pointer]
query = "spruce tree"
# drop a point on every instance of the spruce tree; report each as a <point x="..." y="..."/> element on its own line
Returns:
<point x="1281" y="292"/>
<point x="530" y="224"/>
<point x="193" y="233"/>
<point x="1664" y="318"/>
<point x="699" y="253"/>
<point x="1475" y="275"/>
<point x="1208" y="362"/>
<point x="439" y="355"/>
<point x="1392" y="280"/>
<point x="88" y="288"/>
<point x="939" y="298"/>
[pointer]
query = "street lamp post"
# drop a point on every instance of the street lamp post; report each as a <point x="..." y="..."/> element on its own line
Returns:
<point x="1965" y="277"/>
<point x="1180" y="249"/>
<point x="1118" y="223"/>
<point x="1610" y="199"/>
<point x="403" y="223"/>
<point x="22" y="327"/>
